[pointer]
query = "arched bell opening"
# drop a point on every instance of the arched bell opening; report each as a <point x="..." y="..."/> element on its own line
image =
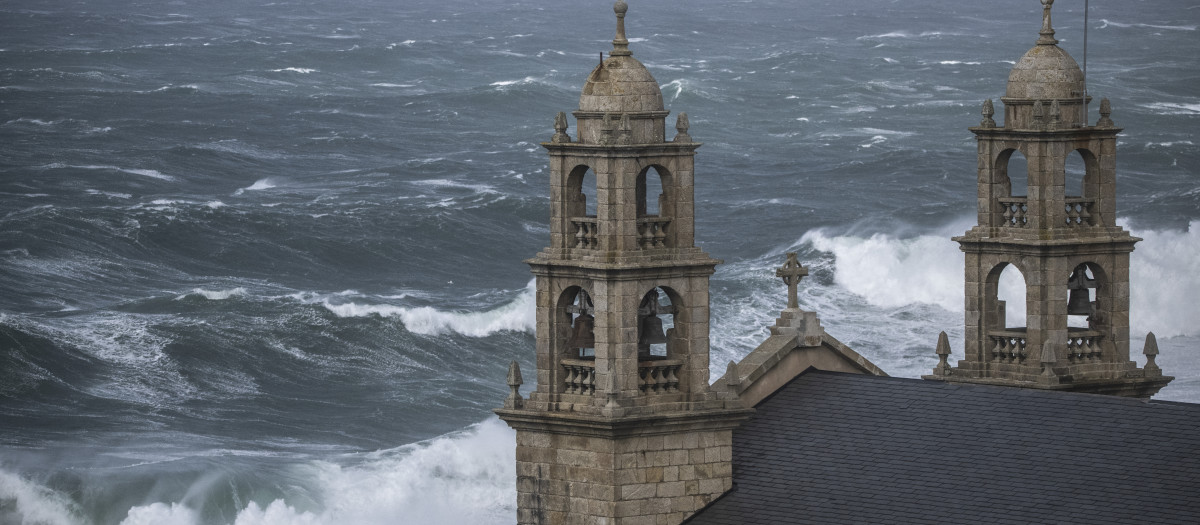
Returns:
<point x="580" y="193"/>
<point x="1012" y="178"/>
<point x="656" y="325"/>
<point x="1082" y="179"/>
<point x="651" y="191"/>
<point x="1012" y="172"/>
<point x="577" y="315"/>
<point x="1006" y="287"/>
<point x="654" y="208"/>
<point x="1084" y="288"/>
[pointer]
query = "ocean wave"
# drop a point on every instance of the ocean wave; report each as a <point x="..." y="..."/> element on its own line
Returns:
<point x="1108" y="23"/>
<point x="890" y="271"/>
<point x="154" y="174"/>
<point x="259" y="185"/>
<point x="1173" y="108"/>
<point x="27" y="502"/>
<point x="466" y="476"/>
<point x="444" y="183"/>
<point x="214" y="295"/>
<point x="517" y="316"/>
<point x="302" y="70"/>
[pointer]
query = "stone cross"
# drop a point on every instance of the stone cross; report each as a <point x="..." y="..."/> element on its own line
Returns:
<point x="791" y="272"/>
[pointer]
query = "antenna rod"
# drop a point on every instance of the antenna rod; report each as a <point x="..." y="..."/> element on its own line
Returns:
<point x="1085" y="42"/>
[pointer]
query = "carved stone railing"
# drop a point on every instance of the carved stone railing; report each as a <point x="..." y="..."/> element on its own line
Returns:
<point x="1008" y="346"/>
<point x="652" y="232"/>
<point x="1015" y="211"/>
<point x="1079" y="211"/>
<point x="1084" y="346"/>
<point x="586" y="230"/>
<point x="659" y="376"/>
<point x="580" y="376"/>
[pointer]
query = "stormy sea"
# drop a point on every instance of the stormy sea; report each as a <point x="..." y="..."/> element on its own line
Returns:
<point x="261" y="261"/>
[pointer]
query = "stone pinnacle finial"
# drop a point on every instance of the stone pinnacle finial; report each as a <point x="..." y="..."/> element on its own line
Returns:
<point x="733" y="379"/>
<point x="791" y="272"/>
<point x="1055" y="116"/>
<point x="560" y="128"/>
<point x="1039" y="115"/>
<point x="620" y="43"/>
<point x="681" y="127"/>
<point x="943" y="353"/>
<point x="988" y="111"/>
<point x="1049" y="358"/>
<point x="514" y="399"/>
<point x="1047" y="31"/>
<point x="1151" y="351"/>
<point x="1106" y="120"/>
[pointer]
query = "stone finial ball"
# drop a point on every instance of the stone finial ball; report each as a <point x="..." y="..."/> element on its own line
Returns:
<point x="621" y="7"/>
<point x="1047" y="2"/>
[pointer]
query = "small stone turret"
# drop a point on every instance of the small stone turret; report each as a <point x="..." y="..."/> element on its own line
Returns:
<point x="1061" y="237"/>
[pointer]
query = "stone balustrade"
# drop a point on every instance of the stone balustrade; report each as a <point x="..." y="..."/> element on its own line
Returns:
<point x="1079" y="211"/>
<point x="652" y="232"/>
<point x="586" y="231"/>
<point x="1009" y="346"/>
<point x="659" y="376"/>
<point x="580" y="376"/>
<point x="1015" y="210"/>
<point x="1084" y="346"/>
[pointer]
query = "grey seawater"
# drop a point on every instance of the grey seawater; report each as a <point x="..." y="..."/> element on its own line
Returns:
<point x="261" y="262"/>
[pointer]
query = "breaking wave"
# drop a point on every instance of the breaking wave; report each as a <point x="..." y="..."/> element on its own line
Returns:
<point x="890" y="271"/>
<point x="518" y="316"/>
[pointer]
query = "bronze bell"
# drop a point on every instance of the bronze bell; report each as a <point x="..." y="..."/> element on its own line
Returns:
<point x="582" y="332"/>
<point x="1078" y="299"/>
<point x="652" y="331"/>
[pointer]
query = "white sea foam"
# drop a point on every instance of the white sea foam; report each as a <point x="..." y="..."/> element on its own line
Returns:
<point x="518" y="315"/>
<point x="464" y="477"/>
<point x="259" y="185"/>
<point x="505" y="83"/>
<point x="302" y="70"/>
<point x="1174" y="108"/>
<point x="890" y="272"/>
<point x="27" y="502"/>
<point x="1108" y="23"/>
<point x="214" y="295"/>
<point x="154" y="174"/>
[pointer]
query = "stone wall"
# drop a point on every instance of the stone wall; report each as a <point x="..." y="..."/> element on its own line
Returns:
<point x="635" y="480"/>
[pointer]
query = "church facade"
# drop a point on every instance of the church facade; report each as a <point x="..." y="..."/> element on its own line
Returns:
<point x="623" y="427"/>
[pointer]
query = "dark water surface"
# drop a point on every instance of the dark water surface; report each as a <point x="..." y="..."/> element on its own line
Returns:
<point x="260" y="262"/>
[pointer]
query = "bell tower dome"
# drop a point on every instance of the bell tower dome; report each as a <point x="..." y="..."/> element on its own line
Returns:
<point x="622" y="426"/>
<point x="1061" y="236"/>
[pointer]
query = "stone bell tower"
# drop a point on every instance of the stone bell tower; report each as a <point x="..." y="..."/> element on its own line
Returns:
<point x="1061" y="237"/>
<point x="623" y="427"/>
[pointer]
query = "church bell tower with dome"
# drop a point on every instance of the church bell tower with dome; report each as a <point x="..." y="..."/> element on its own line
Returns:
<point x="623" y="426"/>
<point x="1061" y="236"/>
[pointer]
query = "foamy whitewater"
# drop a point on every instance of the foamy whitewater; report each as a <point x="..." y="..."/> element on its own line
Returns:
<point x="261" y="263"/>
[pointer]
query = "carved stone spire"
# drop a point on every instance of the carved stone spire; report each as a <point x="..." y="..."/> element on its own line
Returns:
<point x="1047" y="31"/>
<point x="620" y="43"/>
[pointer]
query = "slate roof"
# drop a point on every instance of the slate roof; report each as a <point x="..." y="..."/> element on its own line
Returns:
<point x="830" y="448"/>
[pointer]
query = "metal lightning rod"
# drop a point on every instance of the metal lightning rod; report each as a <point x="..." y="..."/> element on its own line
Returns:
<point x="1085" y="45"/>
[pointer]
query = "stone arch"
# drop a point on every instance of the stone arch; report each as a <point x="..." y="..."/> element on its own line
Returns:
<point x="1082" y="174"/>
<point x="665" y="304"/>
<point x="580" y="192"/>
<point x="1006" y="289"/>
<point x="649" y="202"/>
<point x="1094" y="282"/>
<point x="573" y="304"/>
<point x="1012" y="172"/>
